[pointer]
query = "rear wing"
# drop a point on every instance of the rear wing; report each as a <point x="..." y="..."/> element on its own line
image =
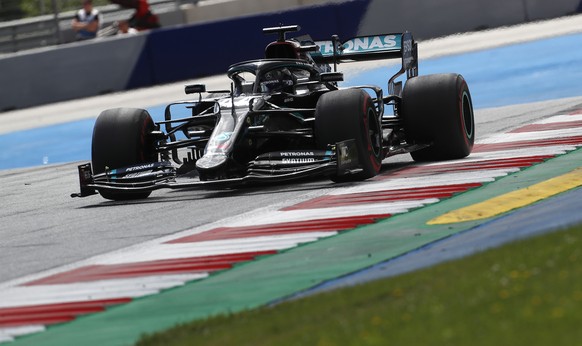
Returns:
<point x="374" y="47"/>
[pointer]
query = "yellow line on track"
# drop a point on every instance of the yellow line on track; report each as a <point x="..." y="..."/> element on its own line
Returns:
<point x="512" y="200"/>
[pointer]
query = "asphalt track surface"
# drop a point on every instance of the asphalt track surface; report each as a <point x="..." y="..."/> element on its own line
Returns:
<point x="44" y="230"/>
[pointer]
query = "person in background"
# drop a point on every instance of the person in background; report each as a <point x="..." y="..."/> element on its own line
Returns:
<point x="86" y="22"/>
<point x="124" y="28"/>
<point x="143" y="18"/>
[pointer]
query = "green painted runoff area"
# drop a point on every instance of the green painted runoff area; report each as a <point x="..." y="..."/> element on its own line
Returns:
<point x="270" y="278"/>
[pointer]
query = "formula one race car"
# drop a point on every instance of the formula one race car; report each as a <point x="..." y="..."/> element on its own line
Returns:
<point x="284" y="118"/>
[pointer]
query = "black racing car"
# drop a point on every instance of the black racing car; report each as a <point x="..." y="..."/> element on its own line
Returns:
<point x="284" y="118"/>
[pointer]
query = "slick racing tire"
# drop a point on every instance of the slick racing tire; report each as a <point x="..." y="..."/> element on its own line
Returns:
<point x="350" y="114"/>
<point x="120" y="139"/>
<point x="437" y="110"/>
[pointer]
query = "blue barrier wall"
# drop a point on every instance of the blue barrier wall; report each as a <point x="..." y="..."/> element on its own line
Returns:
<point x="68" y="72"/>
<point x="201" y="50"/>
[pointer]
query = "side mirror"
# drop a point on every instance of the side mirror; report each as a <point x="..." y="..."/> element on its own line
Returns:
<point x="309" y="48"/>
<point x="281" y="30"/>
<point x="327" y="77"/>
<point x="195" y="88"/>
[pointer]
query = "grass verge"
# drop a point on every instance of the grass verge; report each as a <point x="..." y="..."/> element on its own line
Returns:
<point x="524" y="293"/>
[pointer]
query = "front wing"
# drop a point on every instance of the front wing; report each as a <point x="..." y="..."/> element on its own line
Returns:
<point x="341" y="160"/>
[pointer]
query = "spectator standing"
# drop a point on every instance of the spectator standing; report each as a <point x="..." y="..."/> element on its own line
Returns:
<point x="143" y="18"/>
<point x="87" y="21"/>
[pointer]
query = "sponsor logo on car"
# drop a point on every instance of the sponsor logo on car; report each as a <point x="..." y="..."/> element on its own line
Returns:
<point x="297" y="153"/>
<point x="140" y="167"/>
<point x="302" y="160"/>
<point x="363" y="44"/>
<point x="135" y="175"/>
<point x="223" y="137"/>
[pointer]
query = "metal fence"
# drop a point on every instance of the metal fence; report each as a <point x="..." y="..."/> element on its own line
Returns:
<point x="54" y="29"/>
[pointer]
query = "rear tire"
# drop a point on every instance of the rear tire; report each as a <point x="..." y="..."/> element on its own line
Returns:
<point x="120" y="139"/>
<point x="350" y="114"/>
<point x="438" y="109"/>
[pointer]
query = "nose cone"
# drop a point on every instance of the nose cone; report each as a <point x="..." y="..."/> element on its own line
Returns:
<point x="210" y="162"/>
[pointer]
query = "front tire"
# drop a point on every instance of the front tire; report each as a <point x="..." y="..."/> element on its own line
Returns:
<point x="120" y="139"/>
<point x="350" y="114"/>
<point x="438" y="109"/>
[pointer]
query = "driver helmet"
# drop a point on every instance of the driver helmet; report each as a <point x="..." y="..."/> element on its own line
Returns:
<point x="277" y="80"/>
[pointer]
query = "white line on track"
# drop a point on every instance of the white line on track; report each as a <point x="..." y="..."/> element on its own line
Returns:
<point x="532" y="136"/>
<point x="8" y="334"/>
<point x="216" y="247"/>
<point x="509" y="154"/>
<point x="560" y="119"/>
<point x="448" y="178"/>
<point x="88" y="291"/>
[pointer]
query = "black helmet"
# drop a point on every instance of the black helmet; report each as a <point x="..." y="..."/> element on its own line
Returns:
<point x="277" y="80"/>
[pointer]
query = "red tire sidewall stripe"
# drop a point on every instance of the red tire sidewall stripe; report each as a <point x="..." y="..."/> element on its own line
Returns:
<point x="367" y="105"/>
